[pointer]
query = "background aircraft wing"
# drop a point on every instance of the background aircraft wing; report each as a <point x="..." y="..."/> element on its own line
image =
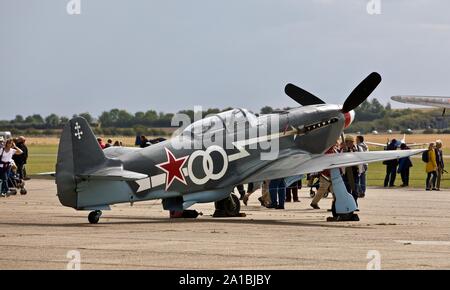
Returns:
<point x="416" y="144"/>
<point x="440" y="102"/>
<point x="298" y="164"/>
<point x="376" y="144"/>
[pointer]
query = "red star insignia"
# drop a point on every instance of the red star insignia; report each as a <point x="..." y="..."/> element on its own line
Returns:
<point x="173" y="168"/>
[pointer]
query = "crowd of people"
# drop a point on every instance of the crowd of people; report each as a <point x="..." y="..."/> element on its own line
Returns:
<point x="434" y="166"/>
<point x="141" y="141"/>
<point x="276" y="192"/>
<point x="13" y="157"/>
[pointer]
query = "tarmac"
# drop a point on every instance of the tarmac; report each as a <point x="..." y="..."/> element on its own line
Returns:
<point x="399" y="229"/>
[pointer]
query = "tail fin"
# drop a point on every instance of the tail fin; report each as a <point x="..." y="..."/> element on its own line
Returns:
<point x="78" y="152"/>
<point x="80" y="158"/>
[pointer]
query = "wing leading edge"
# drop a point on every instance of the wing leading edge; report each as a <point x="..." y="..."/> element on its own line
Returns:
<point x="440" y="102"/>
<point x="306" y="163"/>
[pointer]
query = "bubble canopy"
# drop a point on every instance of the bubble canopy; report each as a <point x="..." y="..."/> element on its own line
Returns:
<point x="224" y="120"/>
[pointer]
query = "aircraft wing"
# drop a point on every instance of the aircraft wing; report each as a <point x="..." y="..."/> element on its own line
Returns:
<point x="416" y="144"/>
<point x="301" y="163"/>
<point x="440" y="102"/>
<point x="376" y="144"/>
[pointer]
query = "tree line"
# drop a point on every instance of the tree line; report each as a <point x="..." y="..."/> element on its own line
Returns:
<point x="370" y="115"/>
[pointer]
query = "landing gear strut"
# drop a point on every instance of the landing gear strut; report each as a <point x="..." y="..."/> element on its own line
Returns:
<point x="94" y="216"/>
<point x="228" y="207"/>
<point x="344" y="205"/>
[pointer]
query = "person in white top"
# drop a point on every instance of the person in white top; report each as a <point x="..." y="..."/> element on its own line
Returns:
<point x="6" y="154"/>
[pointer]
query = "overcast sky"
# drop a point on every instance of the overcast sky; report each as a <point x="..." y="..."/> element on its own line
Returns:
<point x="169" y="55"/>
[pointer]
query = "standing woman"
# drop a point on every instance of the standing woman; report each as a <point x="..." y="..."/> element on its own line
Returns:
<point x="431" y="168"/>
<point x="6" y="154"/>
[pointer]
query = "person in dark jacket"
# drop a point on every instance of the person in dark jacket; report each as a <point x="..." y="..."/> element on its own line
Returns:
<point x="404" y="164"/>
<point x="21" y="160"/>
<point x="391" y="166"/>
<point x="440" y="163"/>
<point x="144" y="142"/>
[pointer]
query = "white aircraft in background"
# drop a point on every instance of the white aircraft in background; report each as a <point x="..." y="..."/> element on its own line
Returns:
<point x="398" y="143"/>
<point x="439" y="102"/>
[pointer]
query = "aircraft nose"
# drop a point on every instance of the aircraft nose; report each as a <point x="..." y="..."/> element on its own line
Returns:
<point x="349" y="117"/>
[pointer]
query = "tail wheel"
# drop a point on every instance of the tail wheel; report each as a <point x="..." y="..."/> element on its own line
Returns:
<point x="94" y="216"/>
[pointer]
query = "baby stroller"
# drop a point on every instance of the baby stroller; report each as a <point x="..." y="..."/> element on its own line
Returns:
<point x="313" y="184"/>
<point x="15" y="183"/>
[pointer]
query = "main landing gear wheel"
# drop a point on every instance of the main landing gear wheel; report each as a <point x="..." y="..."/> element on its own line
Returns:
<point x="94" y="216"/>
<point x="347" y="217"/>
<point x="228" y="207"/>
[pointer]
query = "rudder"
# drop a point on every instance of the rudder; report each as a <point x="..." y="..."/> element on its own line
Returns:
<point x="78" y="152"/>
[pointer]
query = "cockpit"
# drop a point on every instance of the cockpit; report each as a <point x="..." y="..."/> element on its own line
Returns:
<point x="222" y="121"/>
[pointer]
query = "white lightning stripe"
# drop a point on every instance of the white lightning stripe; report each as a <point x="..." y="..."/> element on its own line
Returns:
<point x="242" y="143"/>
<point x="244" y="153"/>
<point x="158" y="180"/>
<point x="144" y="184"/>
<point x="241" y="154"/>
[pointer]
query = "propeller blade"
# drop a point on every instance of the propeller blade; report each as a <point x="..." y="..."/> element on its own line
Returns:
<point x="361" y="92"/>
<point x="301" y="96"/>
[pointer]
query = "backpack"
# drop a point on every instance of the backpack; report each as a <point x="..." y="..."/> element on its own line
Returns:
<point x="425" y="156"/>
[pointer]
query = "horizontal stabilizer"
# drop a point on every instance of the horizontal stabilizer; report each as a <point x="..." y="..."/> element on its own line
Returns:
<point x="113" y="173"/>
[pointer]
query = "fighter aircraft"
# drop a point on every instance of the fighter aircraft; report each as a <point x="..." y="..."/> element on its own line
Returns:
<point x="185" y="170"/>
<point x="439" y="102"/>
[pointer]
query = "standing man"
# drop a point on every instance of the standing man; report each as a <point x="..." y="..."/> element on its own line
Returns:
<point x="292" y="191"/>
<point x="440" y="163"/>
<point x="362" y="177"/>
<point x="324" y="181"/>
<point x="277" y="189"/>
<point x="109" y="143"/>
<point x="144" y="142"/>
<point x="351" y="175"/>
<point x="391" y="166"/>
<point x="21" y="159"/>
<point x="404" y="165"/>
<point x="431" y="168"/>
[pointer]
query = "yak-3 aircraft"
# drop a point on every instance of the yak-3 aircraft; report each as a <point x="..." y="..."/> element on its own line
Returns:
<point x="184" y="170"/>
